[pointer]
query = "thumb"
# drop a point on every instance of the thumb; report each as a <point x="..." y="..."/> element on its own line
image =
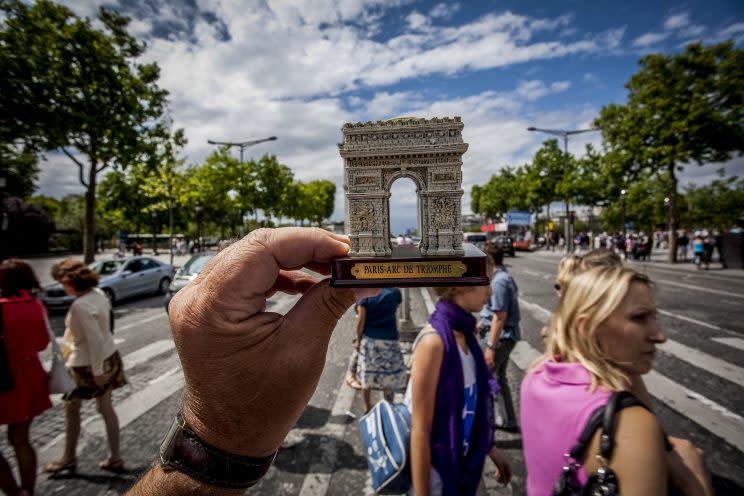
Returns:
<point x="318" y="310"/>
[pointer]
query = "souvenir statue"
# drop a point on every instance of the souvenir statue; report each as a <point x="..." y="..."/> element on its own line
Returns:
<point x="428" y="151"/>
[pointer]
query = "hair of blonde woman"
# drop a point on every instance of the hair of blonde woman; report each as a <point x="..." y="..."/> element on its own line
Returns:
<point x="600" y="257"/>
<point x="446" y="292"/>
<point x="592" y="296"/>
<point x="567" y="267"/>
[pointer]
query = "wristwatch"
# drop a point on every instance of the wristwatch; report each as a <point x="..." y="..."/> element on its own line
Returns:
<point x="492" y="347"/>
<point x="182" y="450"/>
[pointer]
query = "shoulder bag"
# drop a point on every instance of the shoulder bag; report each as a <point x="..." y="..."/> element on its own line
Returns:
<point x="59" y="380"/>
<point x="604" y="482"/>
<point x="386" y="433"/>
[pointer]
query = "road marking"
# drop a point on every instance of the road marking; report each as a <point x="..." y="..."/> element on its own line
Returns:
<point x="698" y="288"/>
<point x="145" y="353"/>
<point x="319" y="475"/>
<point x="427" y="300"/>
<point x="733" y="342"/>
<point x="143" y="321"/>
<point x="701" y="410"/>
<point x="694" y="321"/>
<point x="707" y="362"/>
<point x="705" y="412"/>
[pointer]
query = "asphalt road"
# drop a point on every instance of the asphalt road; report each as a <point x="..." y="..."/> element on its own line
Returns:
<point x="697" y="383"/>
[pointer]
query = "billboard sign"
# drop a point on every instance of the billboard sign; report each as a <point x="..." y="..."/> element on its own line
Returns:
<point x="518" y="218"/>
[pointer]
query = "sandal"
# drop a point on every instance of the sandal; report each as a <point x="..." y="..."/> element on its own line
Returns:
<point x="112" y="465"/>
<point x="352" y="382"/>
<point x="60" y="466"/>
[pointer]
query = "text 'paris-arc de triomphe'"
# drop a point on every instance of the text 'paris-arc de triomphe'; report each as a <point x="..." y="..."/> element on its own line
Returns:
<point x="428" y="151"/>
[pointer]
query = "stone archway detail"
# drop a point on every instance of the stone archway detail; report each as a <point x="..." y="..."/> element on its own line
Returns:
<point x="428" y="151"/>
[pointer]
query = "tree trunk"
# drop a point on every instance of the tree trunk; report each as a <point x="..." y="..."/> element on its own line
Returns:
<point x="672" y="215"/>
<point x="89" y="232"/>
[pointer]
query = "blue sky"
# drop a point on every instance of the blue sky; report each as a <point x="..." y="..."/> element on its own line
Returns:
<point x="298" y="69"/>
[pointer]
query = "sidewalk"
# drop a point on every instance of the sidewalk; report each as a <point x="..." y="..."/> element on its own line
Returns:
<point x="658" y="259"/>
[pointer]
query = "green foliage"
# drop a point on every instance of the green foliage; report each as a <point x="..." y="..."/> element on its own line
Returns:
<point x="272" y="180"/>
<point x="69" y="84"/>
<point x="18" y="165"/>
<point x="717" y="205"/>
<point x="320" y="197"/>
<point x="681" y="109"/>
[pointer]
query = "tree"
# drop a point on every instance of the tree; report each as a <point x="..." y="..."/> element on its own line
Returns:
<point x="210" y="184"/>
<point x="18" y="166"/>
<point x="717" y="205"/>
<point x="320" y="195"/>
<point x="273" y="179"/>
<point x="681" y="109"/>
<point x="79" y="89"/>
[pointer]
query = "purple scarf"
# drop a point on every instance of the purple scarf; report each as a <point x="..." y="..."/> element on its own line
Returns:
<point x="460" y="473"/>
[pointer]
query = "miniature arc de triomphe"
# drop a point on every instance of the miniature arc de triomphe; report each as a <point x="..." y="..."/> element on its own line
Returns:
<point x="428" y="151"/>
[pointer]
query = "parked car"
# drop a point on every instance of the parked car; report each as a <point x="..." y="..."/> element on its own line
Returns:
<point x="120" y="278"/>
<point x="187" y="273"/>
<point x="477" y="239"/>
<point x="505" y="242"/>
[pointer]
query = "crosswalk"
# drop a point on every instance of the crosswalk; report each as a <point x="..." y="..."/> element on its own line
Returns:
<point x="155" y="374"/>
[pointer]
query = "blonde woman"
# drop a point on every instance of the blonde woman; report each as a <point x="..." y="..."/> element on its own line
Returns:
<point x="92" y="360"/>
<point x="603" y="334"/>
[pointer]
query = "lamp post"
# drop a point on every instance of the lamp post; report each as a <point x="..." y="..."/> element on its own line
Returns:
<point x="563" y="133"/>
<point x="243" y="145"/>
<point x="197" y="209"/>
<point x="623" y="194"/>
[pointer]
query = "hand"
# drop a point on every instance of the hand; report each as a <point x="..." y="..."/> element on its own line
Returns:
<point x="249" y="373"/>
<point x="503" y="470"/>
<point x="100" y="380"/>
<point x="488" y="354"/>
<point x="687" y="471"/>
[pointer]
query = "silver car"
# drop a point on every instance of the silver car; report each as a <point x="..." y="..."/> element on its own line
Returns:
<point x="120" y="278"/>
<point x="187" y="273"/>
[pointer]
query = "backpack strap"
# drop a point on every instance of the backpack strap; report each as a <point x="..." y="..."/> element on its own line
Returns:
<point x="421" y="334"/>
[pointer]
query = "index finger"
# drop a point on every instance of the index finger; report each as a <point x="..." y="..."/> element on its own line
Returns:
<point x="248" y="269"/>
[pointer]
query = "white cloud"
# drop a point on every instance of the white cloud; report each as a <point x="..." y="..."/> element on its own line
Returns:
<point x="444" y="10"/>
<point x="677" y="21"/>
<point x="649" y="39"/>
<point x="417" y="20"/>
<point x="732" y="31"/>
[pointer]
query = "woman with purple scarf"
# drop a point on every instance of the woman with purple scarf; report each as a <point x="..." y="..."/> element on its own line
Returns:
<point x="450" y="396"/>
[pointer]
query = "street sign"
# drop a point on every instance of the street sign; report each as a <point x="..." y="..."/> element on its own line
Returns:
<point x="550" y="225"/>
<point x="518" y="218"/>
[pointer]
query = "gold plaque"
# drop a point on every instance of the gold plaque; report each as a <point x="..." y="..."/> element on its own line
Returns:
<point x="408" y="270"/>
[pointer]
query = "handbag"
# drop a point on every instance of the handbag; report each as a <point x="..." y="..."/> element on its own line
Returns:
<point x="6" y="378"/>
<point x="59" y="380"/>
<point x="604" y="482"/>
<point x="386" y="434"/>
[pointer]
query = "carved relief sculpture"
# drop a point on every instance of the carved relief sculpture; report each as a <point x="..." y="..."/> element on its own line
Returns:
<point x="428" y="151"/>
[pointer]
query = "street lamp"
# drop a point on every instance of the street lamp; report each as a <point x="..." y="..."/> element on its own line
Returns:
<point x="563" y="133"/>
<point x="242" y="144"/>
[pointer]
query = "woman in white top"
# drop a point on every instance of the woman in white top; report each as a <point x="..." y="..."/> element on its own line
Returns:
<point x="92" y="360"/>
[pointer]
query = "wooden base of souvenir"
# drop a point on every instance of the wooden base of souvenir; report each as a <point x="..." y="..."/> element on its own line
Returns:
<point x="406" y="267"/>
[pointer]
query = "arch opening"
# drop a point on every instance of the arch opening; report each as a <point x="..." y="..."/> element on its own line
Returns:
<point x="404" y="211"/>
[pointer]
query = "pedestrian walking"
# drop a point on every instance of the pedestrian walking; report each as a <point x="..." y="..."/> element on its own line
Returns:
<point x="93" y="361"/>
<point x="499" y="326"/>
<point x="24" y="395"/>
<point x="450" y="396"/>
<point x="381" y="365"/>
<point x="698" y="251"/>
<point x="603" y="335"/>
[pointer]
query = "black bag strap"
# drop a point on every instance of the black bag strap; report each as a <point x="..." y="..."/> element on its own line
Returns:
<point x="604" y="417"/>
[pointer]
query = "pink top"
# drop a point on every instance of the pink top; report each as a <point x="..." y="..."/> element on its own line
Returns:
<point x="555" y="406"/>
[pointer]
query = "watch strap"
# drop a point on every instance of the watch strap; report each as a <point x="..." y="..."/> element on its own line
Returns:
<point x="184" y="451"/>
